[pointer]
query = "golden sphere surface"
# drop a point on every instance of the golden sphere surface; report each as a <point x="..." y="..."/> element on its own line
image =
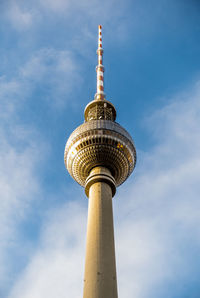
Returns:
<point x="100" y="143"/>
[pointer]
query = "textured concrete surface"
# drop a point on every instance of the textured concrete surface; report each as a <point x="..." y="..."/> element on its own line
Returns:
<point x="100" y="268"/>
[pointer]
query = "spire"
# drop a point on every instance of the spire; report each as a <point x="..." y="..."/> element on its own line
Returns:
<point x="100" y="108"/>
<point x="100" y="95"/>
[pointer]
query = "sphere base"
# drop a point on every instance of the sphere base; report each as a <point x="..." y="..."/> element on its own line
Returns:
<point x="100" y="174"/>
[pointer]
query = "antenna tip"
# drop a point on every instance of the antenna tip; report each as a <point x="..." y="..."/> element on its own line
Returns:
<point x="100" y="26"/>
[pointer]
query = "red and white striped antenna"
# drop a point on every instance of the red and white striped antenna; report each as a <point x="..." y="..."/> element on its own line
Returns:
<point x="100" y="68"/>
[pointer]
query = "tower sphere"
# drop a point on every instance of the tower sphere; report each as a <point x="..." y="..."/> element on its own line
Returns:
<point x="100" y="142"/>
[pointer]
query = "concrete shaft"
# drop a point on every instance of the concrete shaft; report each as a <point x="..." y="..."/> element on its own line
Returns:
<point x="100" y="269"/>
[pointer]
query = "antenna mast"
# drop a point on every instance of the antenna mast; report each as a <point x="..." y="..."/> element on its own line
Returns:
<point x="100" y="95"/>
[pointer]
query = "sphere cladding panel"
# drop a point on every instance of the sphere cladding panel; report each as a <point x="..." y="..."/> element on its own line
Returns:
<point x="100" y="143"/>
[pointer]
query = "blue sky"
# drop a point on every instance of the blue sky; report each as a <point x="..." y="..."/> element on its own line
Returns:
<point x="47" y="76"/>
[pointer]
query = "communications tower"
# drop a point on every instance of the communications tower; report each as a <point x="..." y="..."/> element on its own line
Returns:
<point x="100" y="155"/>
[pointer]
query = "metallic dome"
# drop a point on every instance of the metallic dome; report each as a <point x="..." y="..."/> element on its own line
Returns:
<point x="100" y="143"/>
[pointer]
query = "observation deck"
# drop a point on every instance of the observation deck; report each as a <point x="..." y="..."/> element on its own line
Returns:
<point x="100" y="143"/>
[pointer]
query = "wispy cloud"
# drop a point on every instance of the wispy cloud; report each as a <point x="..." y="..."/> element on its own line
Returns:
<point x="20" y="150"/>
<point x="20" y="17"/>
<point x="50" y="73"/>
<point x="19" y="186"/>
<point x="159" y="218"/>
<point x="51" y="271"/>
<point x="53" y="73"/>
<point x="86" y="15"/>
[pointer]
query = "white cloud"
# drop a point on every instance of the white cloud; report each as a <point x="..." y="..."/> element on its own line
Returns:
<point x="86" y="15"/>
<point x="57" y="267"/>
<point x="22" y="148"/>
<point x="55" y="73"/>
<point x="157" y="220"/>
<point x="160" y="214"/>
<point x="56" y="70"/>
<point x="9" y="92"/>
<point x="18" y="187"/>
<point x="56" y="6"/>
<point x="51" y="74"/>
<point x="20" y="151"/>
<point x="93" y="8"/>
<point x="20" y="18"/>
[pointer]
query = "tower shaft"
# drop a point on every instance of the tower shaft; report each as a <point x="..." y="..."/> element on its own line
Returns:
<point x="100" y="268"/>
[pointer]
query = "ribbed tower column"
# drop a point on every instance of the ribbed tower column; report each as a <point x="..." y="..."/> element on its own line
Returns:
<point x="100" y="269"/>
